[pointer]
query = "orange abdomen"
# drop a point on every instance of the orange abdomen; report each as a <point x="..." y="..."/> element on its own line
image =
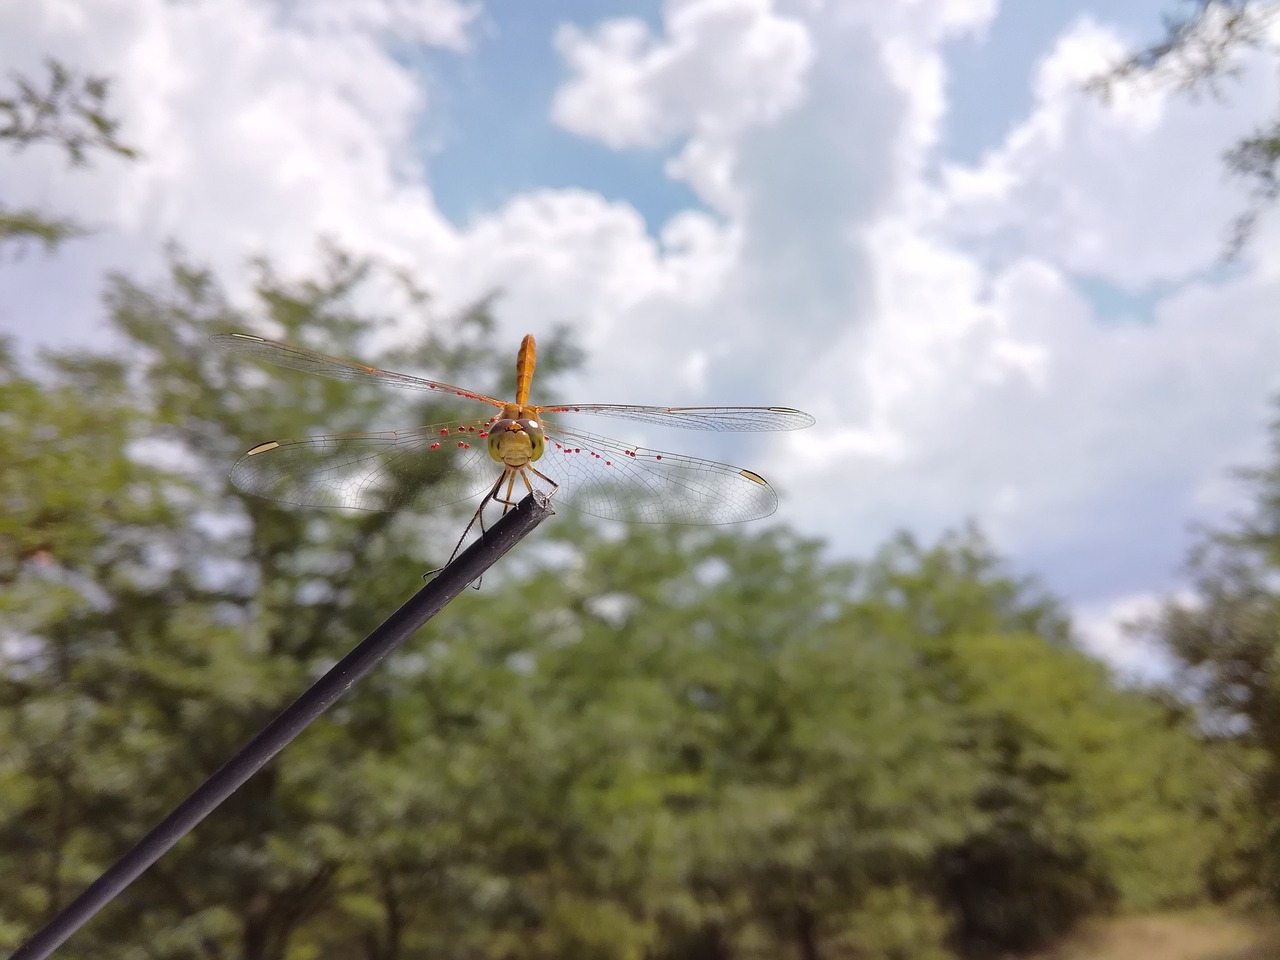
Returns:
<point x="525" y="363"/>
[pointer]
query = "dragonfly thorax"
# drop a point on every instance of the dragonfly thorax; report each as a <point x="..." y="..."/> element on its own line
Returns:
<point x="515" y="442"/>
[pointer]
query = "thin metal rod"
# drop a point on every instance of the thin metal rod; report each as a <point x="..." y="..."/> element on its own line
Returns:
<point x="371" y="651"/>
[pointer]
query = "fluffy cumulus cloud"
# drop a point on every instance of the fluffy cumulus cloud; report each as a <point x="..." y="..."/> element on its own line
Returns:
<point x="991" y="384"/>
<point x="1081" y="182"/>
<point x="258" y="132"/>
<point x="264" y="126"/>
<point x="936" y="317"/>
<point x="789" y="126"/>
<point x="721" y="68"/>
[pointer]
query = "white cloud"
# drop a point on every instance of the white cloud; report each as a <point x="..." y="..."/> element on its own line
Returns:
<point x="911" y="36"/>
<point x="1115" y="632"/>
<point x="437" y="23"/>
<point x="571" y="256"/>
<point x="983" y="382"/>
<point x="1079" y="181"/>
<point x="257" y="134"/>
<point x="261" y="132"/>
<point x="723" y="67"/>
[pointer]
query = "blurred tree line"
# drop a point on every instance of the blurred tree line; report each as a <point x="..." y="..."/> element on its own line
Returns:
<point x="638" y="742"/>
<point x="1227" y="639"/>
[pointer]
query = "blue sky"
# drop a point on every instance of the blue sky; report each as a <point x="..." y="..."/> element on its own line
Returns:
<point x="497" y="96"/>
<point x="499" y="92"/>
<point x="1002" y="299"/>
<point x="989" y="73"/>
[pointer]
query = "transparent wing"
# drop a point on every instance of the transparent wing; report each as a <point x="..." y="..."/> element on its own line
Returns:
<point x="609" y="479"/>
<point x="725" y="419"/>
<point x="449" y="462"/>
<point x="309" y="361"/>
<point x="419" y="468"/>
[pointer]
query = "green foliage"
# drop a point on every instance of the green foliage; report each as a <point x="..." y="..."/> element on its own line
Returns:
<point x="1066" y="816"/>
<point x="30" y="224"/>
<point x="68" y="111"/>
<point x="634" y="742"/>
<point x="1201" y="47"/>
<point x="71" y="112"/>
<point x="1256" y="158"/>
<point x="1228" y="638"/>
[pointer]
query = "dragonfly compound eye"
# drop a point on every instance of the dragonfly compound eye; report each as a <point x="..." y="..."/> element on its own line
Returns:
<point x="537" y="442"/>
<point x="497" y="433"/>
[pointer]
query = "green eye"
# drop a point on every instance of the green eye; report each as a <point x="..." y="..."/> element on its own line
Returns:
<point x="537" y="442"/>
<point x="496" y="432"/>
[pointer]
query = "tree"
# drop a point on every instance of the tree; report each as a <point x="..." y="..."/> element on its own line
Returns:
<point x="1200" y="49"/>
<point x="1228" y="640"/>
<point x="70" y="111"/>
<point x="1080" y="796"/>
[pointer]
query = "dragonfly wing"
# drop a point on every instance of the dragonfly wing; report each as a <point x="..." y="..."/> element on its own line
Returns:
<point x="394" y="469"/>
<point x="309" y="361"/>
<point x="724" y="419"/>
<point x="608" y="479"/>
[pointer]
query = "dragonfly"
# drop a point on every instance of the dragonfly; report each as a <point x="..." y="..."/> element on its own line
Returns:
<point x="510" y="450"/>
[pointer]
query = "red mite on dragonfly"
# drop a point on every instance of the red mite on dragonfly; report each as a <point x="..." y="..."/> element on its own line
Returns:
<point x="449" y="462"/>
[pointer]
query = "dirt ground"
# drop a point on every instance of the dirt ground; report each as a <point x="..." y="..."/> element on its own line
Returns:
<point x="1199" y="935"/>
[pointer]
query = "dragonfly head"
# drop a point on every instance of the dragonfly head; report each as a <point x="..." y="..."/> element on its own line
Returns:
<point x="516" y="441"/>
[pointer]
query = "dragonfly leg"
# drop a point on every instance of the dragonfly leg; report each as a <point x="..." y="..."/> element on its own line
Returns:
<point x="489" y="497"/>
<point x="511" y="485"/>
<point x="554" y="486"/>
<point x="477" y="516"/>
<point x="506" y="501"/>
